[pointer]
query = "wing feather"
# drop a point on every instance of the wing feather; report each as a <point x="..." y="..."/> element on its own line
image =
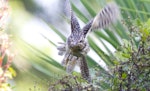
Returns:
<point x="109" y="14"/>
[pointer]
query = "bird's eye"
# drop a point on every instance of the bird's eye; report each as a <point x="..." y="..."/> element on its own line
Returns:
<point x="81" y="41"/>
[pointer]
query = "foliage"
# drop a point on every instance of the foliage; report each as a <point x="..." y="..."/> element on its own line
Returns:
<point x="43" y="65"/>
<point x="71" y="83"/>
<point x="6" y="71"/>
<point x="132" y="71"/>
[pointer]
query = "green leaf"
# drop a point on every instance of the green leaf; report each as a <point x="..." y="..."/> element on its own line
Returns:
<point x="90" y="10"/>
<point x="124" y="76"/>
<point x="126" y="55"/>
<point x="79" y="14"/>
<point x="12" y="71"/>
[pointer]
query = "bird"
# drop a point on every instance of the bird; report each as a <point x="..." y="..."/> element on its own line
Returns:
<point x="76" y="46"/>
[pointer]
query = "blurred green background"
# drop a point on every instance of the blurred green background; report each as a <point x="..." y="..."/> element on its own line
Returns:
<point x="34" y="54"/>
<point x="37" y="26"/>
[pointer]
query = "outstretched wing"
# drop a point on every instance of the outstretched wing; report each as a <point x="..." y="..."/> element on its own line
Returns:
<point x="105" y="17"/>
<point x="86" y="28"/>
<point x="75" y="27"/>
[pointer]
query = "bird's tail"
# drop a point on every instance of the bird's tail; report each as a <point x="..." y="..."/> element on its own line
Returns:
<point x="84" y="68"/>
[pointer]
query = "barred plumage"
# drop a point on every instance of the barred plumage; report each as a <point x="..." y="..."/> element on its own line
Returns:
<point x="76" y="46"/>
<point x="87" y="27"/>
<point x="106" y="16"/>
